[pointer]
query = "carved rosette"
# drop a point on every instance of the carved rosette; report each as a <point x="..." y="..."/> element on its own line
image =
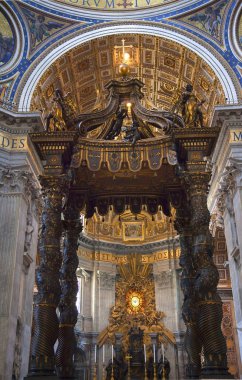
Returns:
<point x="69" y="288"/>
<point x="45" y="321"/>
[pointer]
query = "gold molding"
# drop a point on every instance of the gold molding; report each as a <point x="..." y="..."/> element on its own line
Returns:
<point x="123" y="259"/>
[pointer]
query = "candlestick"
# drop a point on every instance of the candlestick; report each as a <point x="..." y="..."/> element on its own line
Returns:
<point x="104" y="375"/>
<point x="112" y="354"/>
<point x="154" y="352"/>
<point x="95" y="353"/>
<point x="112" y="375"/>
<point x="163" y="352"/>
<point x="104" y="353"/>
<point x="145" y="352"/>
<point x="95" y="372"/>
<point x="155" y="375"/>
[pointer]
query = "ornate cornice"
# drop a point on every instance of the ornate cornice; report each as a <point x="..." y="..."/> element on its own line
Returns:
<point x="121" y="249"/>
<point x="20" y="122"/>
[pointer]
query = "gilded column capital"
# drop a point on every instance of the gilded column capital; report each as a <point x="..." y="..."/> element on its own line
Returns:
<point x="54" y="185"/>
<point x="197" y="182"/>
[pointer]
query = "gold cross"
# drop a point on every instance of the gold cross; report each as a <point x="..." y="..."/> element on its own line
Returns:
<point x="123" y="48"/>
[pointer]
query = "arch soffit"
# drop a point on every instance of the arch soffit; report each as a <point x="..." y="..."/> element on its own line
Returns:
<point x="213" y="59"/>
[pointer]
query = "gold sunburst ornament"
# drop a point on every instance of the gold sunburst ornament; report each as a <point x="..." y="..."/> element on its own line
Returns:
<point x="135" y="302"/>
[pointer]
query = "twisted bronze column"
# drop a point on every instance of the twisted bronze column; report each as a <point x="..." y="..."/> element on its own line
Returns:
<point x="69" y="288"/>
<point x="192" y="341"/>
<point x="45" y="321"/>
<point x="208" y="302"/>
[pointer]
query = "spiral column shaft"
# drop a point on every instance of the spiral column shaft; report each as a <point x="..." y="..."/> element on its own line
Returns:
<point x="192" y="341"/>
<point x="69" y="288"/>
<point x="208" y="302"/>
<point x="45" y="321"/>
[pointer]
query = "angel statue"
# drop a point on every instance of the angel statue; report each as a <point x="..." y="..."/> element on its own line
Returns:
<point x="117" y="123"/>
<point x="189" y="107"/>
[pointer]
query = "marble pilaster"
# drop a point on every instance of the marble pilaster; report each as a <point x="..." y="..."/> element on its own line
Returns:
<point x="19" y="168"/>
<point x="225" y="196"/>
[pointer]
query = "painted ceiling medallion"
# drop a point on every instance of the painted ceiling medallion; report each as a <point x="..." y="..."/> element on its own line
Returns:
<point x="112" y="5"/>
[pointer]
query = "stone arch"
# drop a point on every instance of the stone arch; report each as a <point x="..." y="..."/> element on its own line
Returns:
<point x="211" y="57"/>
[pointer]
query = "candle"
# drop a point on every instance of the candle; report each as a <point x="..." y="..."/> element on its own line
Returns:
<point x="104" y="353"/>
<point x="95" y="353"/>
<point x="145" y="352"/>
<point x="112" y="354"/>
<point x="163" y="352"/>
<point x="154" y="352"/>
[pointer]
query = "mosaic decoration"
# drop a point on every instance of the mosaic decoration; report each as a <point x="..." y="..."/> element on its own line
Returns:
<point x="209" y="19"/>
<point x="5" y="89"/>
<point x="7" y="40"/>
<point x="40" y="26"/>
<point x="110" y="5"/>
<point x="240" y="31"/>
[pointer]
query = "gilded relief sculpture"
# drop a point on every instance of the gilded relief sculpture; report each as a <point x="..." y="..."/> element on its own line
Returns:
<point x="135" y="317"/>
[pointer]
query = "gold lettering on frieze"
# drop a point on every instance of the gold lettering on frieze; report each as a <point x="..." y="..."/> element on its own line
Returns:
<point x="107" y="5"/>
<point x="158" y="256"/>
<point x="235" y="136"/>
<point x="118" y="259"/>
<point x="102" y="256"/>
<point x="13" y="142"/>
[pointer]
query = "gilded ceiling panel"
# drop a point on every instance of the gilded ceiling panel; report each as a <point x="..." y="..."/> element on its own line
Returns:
<point x="165" y="68"/>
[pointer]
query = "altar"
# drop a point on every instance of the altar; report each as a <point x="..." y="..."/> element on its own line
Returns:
<point x="137" y="365"/>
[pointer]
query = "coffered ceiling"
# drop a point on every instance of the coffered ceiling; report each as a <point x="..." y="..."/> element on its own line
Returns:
<point x="165" y="67"/>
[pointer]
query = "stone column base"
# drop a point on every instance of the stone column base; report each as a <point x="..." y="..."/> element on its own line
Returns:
<point x="215" y="375"/>
<point x="41" y="377"/>
<point x="47" y="377"/>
